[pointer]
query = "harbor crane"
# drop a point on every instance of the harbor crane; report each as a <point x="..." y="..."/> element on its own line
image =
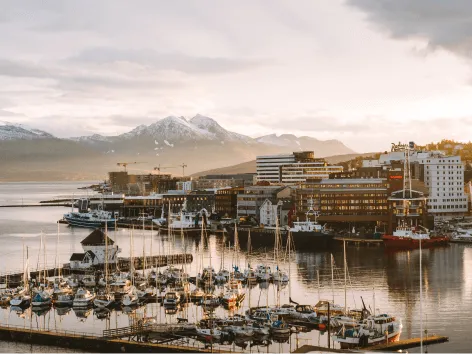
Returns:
<point x="124" y="164"/>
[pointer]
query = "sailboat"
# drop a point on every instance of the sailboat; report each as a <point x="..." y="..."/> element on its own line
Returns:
<point x="249" y="273"/>
<point x="223" y="274"/>
<point x="278" y="275"/>
<point x="106" y="298"/>
<point x="131" y="298"/>
<point x="22" y="299"/>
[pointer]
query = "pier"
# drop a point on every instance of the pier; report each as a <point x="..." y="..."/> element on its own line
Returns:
<point x="387" y="347"/>
<point x="95" y="343"/>
<point x="409" y="343"/>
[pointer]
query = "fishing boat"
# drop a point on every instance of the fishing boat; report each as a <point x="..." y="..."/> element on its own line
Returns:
<point x="374" y="330"/>
<point x="409" y="237"/>
<point x="309" y="233"/>
<point x="83" y="298"/>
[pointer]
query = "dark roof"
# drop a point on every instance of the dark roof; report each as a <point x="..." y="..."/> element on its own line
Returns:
<point x="77" y="257"/>
<point x="97" y="237"/>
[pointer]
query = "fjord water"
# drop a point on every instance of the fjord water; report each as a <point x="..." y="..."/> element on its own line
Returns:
<point x="392" y="278"/>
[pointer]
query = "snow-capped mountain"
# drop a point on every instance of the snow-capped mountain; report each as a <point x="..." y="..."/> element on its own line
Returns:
<point x="9" y="131"/>
<point x="219" y="133"/>
<point x="172" y="129"/>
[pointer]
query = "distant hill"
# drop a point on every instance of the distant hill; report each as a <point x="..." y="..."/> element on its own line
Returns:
<point x="250" y="166"/>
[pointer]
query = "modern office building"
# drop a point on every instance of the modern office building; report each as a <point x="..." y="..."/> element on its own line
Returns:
<point x="291" y="169"/>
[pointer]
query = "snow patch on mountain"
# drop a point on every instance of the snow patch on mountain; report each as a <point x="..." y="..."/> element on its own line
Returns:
<point x="95" y="138"/>
<point x="210" y="125"/>
<point x="10" y="131"/>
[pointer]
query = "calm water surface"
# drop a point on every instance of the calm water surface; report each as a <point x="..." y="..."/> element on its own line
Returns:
<point x="388" y="280"/>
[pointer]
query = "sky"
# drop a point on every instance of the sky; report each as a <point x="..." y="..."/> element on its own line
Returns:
<point x="365" y="72"/>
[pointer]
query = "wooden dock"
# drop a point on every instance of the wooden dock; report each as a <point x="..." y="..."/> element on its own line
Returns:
<point x="409" y="343"/>
<point x="95" y="343"/>
<point x="359" y="241"/>
<point x="312" y="348"/>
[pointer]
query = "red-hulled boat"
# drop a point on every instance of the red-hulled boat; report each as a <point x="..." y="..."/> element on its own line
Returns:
<point x="407" y="237"/>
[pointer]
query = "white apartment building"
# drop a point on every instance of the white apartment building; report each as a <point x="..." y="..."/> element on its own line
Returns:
<point x="268" y="167"/>
<point x="442" y="175"/>
<point x="290" y="169"/>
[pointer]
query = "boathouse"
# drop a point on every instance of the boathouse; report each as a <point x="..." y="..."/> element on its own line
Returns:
<point x="94" y="246"/>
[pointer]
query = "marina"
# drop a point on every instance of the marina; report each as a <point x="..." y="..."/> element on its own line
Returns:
<point x="218" y="252"/>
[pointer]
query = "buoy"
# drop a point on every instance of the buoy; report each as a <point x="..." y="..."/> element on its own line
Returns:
<point x="321" y="326"/>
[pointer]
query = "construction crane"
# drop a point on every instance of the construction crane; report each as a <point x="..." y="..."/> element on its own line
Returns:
<point x="159" y="168"/>
<point x="124" y="164"/>
<point x="183" y="169"/>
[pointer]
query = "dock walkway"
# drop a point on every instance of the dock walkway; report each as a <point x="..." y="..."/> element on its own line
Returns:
<point x="95" y="343"/>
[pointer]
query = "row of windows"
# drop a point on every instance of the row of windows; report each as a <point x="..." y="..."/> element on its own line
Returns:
<point x="354" y="207"/>
<point x="449" y="206"/>
<point x="355" y="201"/>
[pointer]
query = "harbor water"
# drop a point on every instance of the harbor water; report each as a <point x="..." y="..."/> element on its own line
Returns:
<point x="388" y="282"/>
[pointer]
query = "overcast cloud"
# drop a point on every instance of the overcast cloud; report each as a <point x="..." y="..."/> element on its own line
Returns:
<point x="361" y="71"/>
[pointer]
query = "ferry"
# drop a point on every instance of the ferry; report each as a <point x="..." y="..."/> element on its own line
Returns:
<point x="92" y="219"/>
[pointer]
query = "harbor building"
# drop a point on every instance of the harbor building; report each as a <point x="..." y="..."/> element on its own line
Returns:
<point x="250" y="202"/>
<point x="291" y="169"/>
<point x="442" y="175"/>
<point x="226" y="201"/>
<point x="95" y="252"/>
<point x="351" y="200"/>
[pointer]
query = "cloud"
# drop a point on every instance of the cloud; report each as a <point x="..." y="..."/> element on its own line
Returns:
<point x="167" y="61"/>
<point x="5" y="113"/>
<point x="443" y="24"/>
<point x="13" y="68"/>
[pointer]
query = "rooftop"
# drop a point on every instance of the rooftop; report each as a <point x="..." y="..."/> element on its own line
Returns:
<point x="96" y="238"/>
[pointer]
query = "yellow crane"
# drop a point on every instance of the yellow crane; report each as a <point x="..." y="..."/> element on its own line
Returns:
<point x="124" y="164"/>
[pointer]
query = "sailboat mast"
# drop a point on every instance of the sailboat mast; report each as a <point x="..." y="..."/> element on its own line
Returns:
<point x="421" y="299"/>
<point x="144" y="249"/>
<point x="345" y="279"/>
<point x="58" y="263"/>
<point x="106" y="257"/>
<point x="332" y="275"/>
<point x="289" y="241"/>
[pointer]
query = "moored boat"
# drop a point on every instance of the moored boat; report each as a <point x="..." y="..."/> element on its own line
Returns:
<point x="409" y="237"/>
